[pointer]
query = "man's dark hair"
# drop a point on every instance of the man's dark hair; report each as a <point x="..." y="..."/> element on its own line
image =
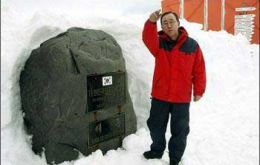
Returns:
<point x="170" y="12"/>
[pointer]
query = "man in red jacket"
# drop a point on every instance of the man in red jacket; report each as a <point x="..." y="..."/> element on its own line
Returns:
<point x="179" y="68"/>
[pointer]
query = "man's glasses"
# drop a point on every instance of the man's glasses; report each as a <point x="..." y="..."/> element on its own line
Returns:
<point x="166" y="24"/>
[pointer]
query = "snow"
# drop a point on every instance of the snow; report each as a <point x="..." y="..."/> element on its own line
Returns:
<point x="224" y="124"/>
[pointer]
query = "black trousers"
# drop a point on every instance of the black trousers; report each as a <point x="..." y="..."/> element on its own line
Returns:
<point x="157" y="124"/>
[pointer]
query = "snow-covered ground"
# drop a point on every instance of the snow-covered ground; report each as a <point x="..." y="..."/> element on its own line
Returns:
<point x="224" y="124"/>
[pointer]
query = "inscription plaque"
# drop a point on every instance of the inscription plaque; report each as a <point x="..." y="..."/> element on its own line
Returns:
<point x="106" y="90"/>
<point x="100" y="131"/>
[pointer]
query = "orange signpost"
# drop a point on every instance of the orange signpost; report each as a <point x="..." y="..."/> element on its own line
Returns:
<point x="242" y="16"/>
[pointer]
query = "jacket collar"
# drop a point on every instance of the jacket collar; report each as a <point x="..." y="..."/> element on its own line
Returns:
<point x="183" y="34"/>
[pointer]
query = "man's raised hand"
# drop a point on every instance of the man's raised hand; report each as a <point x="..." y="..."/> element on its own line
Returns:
<point x="155" y="16"/>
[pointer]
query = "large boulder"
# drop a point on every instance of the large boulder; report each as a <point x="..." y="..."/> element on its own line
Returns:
<point x="74" y="95"/>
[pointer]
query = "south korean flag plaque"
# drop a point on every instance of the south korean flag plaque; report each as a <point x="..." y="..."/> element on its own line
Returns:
<point x="107" y="80"/>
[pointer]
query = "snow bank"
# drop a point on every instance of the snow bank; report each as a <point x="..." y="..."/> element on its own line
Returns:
<point x="224" y="124"/>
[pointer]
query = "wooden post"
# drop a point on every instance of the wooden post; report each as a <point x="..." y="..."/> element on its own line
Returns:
<point x="205" y="14"/>
<point x="182" y="9"/>
<point x="223" y="15"/>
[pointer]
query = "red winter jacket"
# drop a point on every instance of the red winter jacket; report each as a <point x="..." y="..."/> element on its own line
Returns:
<point x="179" y="65"/>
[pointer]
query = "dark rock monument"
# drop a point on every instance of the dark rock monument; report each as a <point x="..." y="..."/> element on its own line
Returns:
<point x="75" y="97"/>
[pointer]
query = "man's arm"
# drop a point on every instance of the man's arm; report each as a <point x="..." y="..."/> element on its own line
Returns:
<point x="199" y="76"/>
<point x="150" y="36"/>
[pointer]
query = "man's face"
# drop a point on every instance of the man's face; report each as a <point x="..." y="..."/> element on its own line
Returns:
<point x="170" y="25"/>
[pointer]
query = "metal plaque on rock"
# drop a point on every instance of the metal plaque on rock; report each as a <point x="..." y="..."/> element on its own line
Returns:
<point x="100" y="131"/>
<point x="105" y="90"/>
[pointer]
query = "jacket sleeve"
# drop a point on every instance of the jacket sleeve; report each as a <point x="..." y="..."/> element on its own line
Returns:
<point x="199" y="74"/>
<point x="150" y="37"/>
